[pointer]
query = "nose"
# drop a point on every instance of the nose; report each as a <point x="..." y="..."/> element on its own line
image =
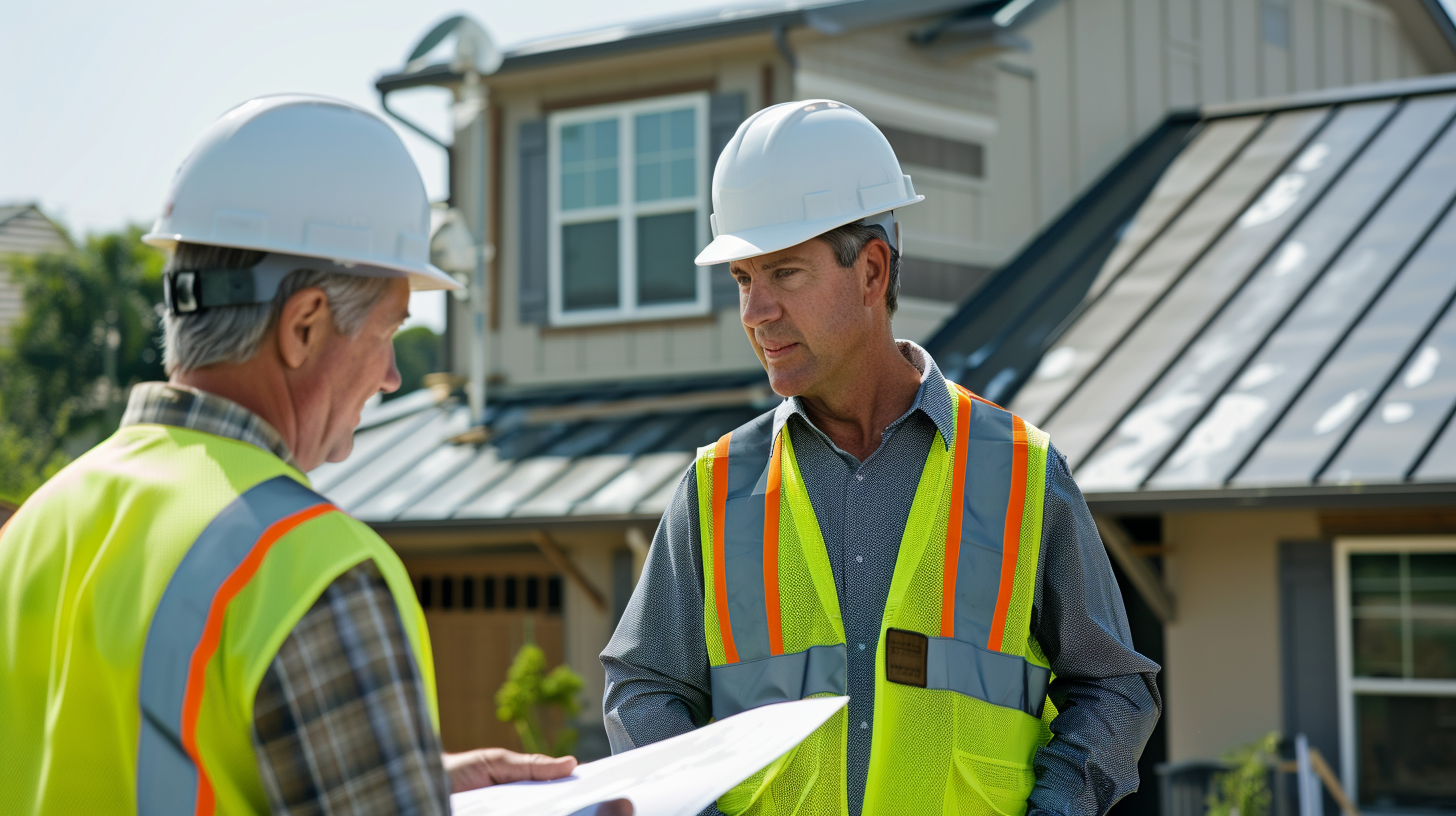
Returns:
<point x="758" y="305"/>
<point x="392" y="380"/>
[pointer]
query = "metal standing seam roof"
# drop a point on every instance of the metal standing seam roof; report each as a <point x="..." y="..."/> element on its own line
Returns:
<point x="1281" y="312"/>
<point x="407" y="466"/>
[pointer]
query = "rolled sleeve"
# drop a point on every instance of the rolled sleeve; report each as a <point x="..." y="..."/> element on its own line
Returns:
<point x="1106" y="693"/>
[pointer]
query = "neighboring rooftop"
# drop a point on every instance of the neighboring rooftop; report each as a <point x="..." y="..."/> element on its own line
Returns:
<point x="1278" y="320"/>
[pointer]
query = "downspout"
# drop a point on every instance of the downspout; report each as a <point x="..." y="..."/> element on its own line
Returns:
<point x="781" y="41"/>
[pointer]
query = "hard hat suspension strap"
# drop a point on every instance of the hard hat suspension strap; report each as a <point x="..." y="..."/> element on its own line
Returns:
<point x="190" y="291"/>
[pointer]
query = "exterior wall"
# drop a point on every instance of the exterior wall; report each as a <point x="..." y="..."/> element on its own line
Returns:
<point x="527" y="354"/>
<point x="1100" y="73"/>
<point x="1222" y="668"/>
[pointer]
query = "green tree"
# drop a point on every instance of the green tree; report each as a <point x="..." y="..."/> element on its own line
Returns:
<point x="530" y="692"/>
<point x="417" y="351"/>
<point x="1243" y="790"/>
<point x="88" y="332"/>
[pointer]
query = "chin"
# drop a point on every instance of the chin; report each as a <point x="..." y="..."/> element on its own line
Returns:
<point x="786" y="384"/>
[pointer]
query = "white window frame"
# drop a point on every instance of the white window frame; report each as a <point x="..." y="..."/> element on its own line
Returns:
<point x="626" y="211"/>
<point x="1348" y="684"/>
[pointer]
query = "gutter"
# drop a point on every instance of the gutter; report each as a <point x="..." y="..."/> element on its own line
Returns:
<point x="1144" y="502"/>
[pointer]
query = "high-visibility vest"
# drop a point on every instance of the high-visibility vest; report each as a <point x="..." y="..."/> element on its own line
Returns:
<point x="144" y="591"/>
<point x="960" y="681"/>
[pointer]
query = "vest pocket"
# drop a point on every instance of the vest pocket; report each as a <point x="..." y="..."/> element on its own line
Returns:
<point x="983" y="786"/>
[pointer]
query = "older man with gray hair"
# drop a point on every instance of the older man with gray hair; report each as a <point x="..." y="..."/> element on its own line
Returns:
<point x="189" y="627"/>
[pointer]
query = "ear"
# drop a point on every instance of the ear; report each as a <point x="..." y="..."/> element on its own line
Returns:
<point x="876" y="273"/>
<point x="302" y="326"/>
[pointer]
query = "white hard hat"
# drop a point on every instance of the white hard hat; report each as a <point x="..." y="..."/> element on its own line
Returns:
<point x="800" y="169"/>
<point x="311" y="180"/>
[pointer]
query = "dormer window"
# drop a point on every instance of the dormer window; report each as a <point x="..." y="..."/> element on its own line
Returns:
<point x="629" y="210"/>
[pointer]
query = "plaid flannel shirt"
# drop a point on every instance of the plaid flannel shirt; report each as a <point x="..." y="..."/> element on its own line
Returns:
<point x="341" y="723"/>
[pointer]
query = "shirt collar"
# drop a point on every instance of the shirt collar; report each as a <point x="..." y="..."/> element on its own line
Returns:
<point x="160" y="403"/>
<point x="931" y="399"/>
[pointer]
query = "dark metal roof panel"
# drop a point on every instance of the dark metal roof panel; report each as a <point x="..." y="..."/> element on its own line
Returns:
<point x="1349" y="382"/>
<point x="1297" y="349"/>
<point x="1407" y="416"/>
<point x="1117" y="308"/>
<point x="994" y="339"/>
<point x="1204" y="259"/>
<point x="1277" y="326"/>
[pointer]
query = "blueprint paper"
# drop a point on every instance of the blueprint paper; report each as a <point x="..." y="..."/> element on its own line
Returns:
<point x="675" y="777"/>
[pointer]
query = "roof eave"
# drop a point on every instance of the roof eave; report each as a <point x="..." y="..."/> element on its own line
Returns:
<point x="1258" y="498"/>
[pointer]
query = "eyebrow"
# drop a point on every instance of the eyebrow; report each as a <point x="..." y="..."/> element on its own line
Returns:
<point x="775" y="264"/>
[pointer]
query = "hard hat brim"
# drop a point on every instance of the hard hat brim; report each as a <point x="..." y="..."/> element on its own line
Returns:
<point x="422" y="278"/>
<point x="751" y="243"/>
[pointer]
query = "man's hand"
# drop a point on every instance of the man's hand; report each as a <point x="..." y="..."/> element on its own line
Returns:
<point x="484" y="767"/>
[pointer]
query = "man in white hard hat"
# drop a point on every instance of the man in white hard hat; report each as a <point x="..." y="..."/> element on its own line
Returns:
<point x="883" y="533"/>
<point x="189" y="629"/>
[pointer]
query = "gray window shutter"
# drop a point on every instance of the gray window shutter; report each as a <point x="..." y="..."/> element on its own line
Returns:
<point x="726" y="112"/>
<point x="1307" y="629"/>
<point x="534" y="223"/>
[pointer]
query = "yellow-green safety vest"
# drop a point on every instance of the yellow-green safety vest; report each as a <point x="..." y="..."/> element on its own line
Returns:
<point x="960" y="681"/>
<point x="144" y="591"/>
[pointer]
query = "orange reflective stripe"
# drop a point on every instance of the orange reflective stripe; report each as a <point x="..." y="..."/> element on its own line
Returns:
<point x="212" y="635"/>
<point x="957" y="510"/>
<point x="771" y="551"/>
<point x="1011" y="544"/>
<point x="720" y="572"/>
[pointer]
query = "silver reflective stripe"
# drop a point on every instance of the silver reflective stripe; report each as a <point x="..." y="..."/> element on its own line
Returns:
<point x="781" y="678"/>
<point x="998" y="678"/>
<point x="983" y="523"/>
<point x="749" y="451"/>
<point x="166" y="777"/>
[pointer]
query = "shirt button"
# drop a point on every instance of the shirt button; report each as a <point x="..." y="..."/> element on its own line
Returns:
<point x="864" y="724"/>
<point x="859" y="559"/>
<point x="861" y="647"/>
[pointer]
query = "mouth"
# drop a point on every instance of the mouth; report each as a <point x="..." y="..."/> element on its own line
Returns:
<point x="775" y="352"/>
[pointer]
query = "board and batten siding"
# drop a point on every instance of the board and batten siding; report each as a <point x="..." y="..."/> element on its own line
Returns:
<point x="1100" y="73"/>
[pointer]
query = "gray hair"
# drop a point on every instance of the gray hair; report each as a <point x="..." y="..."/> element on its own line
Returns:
<point x="848" y="241"/>
<point x="233" y="334"/>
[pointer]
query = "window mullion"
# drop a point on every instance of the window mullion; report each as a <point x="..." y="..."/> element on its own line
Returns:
<point x="627" y="225"/>
<point x="1407" y="633"/>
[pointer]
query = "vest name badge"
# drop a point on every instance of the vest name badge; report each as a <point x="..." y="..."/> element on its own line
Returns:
<point x="905" y="657"/>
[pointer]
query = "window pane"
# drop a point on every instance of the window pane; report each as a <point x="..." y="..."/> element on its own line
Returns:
<point x="589" y="164"/>
<point x="1406" y="747"/>
<point x="1374" y="581"/>
<point x="1433" y="614"/>
<point x="665" y="155"/>
<point x="589" y="266"/>
<point x="1377" y="647"/>
<point x="666" y="246"/>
